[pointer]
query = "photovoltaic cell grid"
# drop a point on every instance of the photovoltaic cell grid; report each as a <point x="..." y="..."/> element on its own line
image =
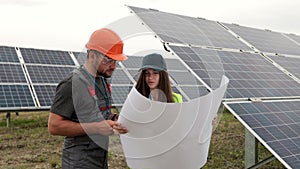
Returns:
<point x="48" y="74"/>
<point x="80" y="57"/>
<point x="276" y="123"/>
<point x="294" y="37"/>
<point x="291" y="64"/>
<point x="119" y="94"/>
<point x="120" y="77"/>
<point x="46" y="68"/>
<point x="187" y="30"/>
<point x="120" y="84"/>
<point x="12" y="73"/>
<point x="266" y="41"/>
<point x="16" y="96"/>
<point x="41" y="56"/>
<point x="45" y="93"/>
<point x="14" y="90"/>
<point x="250" y="75"/>
<point x="191" y="86"/>
<point x="8" y="54"/>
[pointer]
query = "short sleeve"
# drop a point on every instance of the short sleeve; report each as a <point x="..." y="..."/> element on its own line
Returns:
<point x="63" y="102"/>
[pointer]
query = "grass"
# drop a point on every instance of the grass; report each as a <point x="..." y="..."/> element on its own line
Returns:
<point x="27" y="144"/>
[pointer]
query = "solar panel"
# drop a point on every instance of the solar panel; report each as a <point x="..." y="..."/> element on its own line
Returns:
<point x="250" y="74"/>
<point x="41" y="56"/>
<point x="184" y="78"/>
<point x="8" y="54"/>
<point x="15" y="96"/>
<point x="80" y="57"/>
<point x="45" y="94"/>
<point x="12" y="73"/>
<point x="48" y="74"/>
<point x="294" y="37"/>
<point x="133" y="62"/>
<point x="175" y="89"/>
<point x="291" y="64"/>
<point x="175" y="64"/>
<point x="194" y="91"/>
<point x="276" y="124"/>
<point x="187" y="30"/>
<point x="266" y="41"/>
<point x="120" y="77"/>
<point x="134" y="73"/>
<point x="119" y="94"/>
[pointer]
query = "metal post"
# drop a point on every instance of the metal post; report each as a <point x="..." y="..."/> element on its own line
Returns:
<point x="251" y="149"/>
<point x="8" y="119"/>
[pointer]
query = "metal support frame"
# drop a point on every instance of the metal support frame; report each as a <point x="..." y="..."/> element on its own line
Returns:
<point x="263" y="162"/>
<point x="8" y="119"/>
<point x="251" y="152"/>
<point x="251" y="149"/>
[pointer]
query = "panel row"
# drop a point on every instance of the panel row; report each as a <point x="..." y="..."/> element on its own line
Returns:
<point x="173" y="28"/>
<point x="44" y="69"/>
<point x="276" y="124"/>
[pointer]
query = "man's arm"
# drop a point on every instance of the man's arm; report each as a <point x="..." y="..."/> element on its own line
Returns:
<point x="58" y="125"/>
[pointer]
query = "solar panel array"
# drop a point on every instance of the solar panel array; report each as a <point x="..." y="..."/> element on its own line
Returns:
<point x="266" y="41"/>
<point x="30" y="82"/>
<point x="250" y="74"/>
<point x="187" y="30"/>
<point x="29" y="76"/>
<point x="260" y="64"/>
<point x="14" y="88"/>
<point x="45" y="69"/>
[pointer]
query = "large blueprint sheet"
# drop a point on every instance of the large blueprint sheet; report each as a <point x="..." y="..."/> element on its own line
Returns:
<point x="169" y="135"/>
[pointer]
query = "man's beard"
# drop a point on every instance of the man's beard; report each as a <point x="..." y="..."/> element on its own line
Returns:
<point x="103" y="75"/>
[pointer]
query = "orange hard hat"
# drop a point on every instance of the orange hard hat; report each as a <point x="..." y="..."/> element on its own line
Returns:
<point x="108" y="43"/>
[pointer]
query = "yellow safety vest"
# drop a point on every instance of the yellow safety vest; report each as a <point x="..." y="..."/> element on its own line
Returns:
<point x="177" y="97"/>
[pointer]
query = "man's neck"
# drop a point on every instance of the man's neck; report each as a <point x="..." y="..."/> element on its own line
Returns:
<point x="90" y="70"/>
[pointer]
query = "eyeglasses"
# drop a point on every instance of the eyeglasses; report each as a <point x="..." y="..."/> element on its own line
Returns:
<point x="105" y="59"/>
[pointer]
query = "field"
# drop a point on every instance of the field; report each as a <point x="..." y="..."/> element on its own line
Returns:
<point x="27" y="144"/>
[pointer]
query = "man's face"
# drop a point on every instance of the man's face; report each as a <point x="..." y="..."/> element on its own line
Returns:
<point x="104" y="65"/>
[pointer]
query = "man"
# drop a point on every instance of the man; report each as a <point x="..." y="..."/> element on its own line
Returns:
<point x="82" y="103"/>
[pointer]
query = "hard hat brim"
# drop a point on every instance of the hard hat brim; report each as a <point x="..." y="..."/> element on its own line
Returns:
<point x="118" y="57"/>
<point x="151" y="67"/>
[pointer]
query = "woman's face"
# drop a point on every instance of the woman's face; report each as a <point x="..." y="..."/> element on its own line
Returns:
<point x="152" y="78"/>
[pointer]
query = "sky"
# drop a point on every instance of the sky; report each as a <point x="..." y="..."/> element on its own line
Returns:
<point x="68" y="24"/>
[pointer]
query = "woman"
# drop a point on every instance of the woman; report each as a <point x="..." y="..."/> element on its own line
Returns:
<point x="154" y="81"/>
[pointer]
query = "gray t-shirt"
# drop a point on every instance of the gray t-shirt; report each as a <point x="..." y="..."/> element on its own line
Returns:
<point x="79" y="99"/>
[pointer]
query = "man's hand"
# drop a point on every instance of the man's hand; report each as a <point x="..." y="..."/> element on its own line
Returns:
<point x="119" y="129"/>
<point x="109" y="127"/>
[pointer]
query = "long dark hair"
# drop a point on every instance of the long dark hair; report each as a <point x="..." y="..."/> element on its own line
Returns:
<point x="163" y="84"/>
